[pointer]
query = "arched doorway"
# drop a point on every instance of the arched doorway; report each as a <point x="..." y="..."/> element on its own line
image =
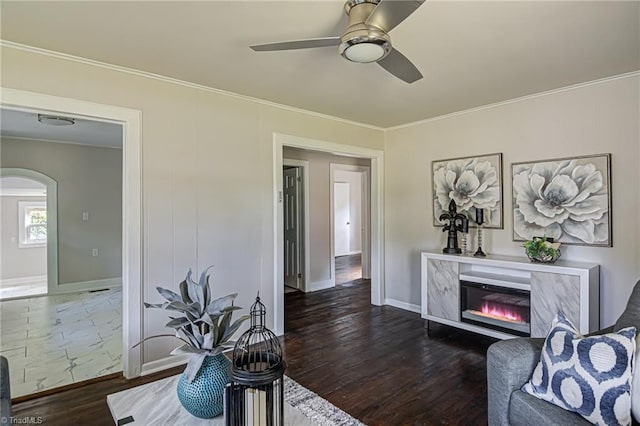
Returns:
<point x="31" y="217"/>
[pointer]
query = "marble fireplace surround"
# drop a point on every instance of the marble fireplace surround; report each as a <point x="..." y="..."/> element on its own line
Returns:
<point x="571" y="287"/>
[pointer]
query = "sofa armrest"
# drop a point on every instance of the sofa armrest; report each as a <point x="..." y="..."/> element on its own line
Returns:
<point x="510" y="364"/>
<point x="5" y="391"/>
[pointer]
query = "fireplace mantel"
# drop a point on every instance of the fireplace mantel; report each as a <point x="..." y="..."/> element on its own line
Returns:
<point x="572" y="287"/>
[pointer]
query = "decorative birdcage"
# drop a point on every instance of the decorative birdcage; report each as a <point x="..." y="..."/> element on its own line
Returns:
<point x="254" y="395"/>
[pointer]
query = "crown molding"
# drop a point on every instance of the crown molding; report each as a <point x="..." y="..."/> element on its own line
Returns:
<point x="515" y="100"/>
<point x="139" y="73"/>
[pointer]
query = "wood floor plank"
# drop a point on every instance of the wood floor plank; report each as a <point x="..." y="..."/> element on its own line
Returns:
<point x="379" y="364"/>
<point x="85" y="405"/>
<point x="376" y="363"/>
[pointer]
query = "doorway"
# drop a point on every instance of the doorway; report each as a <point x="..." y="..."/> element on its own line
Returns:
<point x="351" y="222"/>
<point x="295" y="192"/>
<point x="293" y="263"/>
<point x="24" y="233"/>
<point x="322" y="275"/>
<point x="129" y="122"/>
<point x="73" y="331"/>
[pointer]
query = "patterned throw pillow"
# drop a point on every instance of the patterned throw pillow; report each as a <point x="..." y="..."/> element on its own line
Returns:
<point x="588" y="375"/>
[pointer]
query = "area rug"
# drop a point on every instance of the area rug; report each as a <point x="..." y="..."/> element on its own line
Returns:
<point x="319" y="410"/>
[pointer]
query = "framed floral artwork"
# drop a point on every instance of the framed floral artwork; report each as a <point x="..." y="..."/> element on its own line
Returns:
<point x="567" y="199"/>
<point x="473" y="183"/>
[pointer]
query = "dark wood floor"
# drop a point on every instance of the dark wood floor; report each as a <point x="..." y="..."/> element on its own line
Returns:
<point x="84" y="405"/>
<point x="348" y="268"/>
<point x="376" y="363"/>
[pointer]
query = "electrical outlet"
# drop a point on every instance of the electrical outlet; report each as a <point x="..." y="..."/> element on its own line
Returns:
<point x="94" y="252"/>
<point x="85" y="216"/>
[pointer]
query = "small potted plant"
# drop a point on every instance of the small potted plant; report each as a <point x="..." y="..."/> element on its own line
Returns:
<point x="204" y="325"/>
<point x="542" y="250"/>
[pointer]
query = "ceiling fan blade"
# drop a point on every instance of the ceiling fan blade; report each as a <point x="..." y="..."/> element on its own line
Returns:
<point x="389" y="13"/>
<point x="298" y="44"/>
<point x="398" y="64"/>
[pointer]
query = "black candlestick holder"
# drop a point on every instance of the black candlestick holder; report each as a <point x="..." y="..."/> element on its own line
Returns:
<point x="457" y="222"/>
<point x="479" y="222"/>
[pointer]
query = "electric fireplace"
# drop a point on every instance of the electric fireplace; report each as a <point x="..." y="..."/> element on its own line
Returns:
<point x="495" y="307"/>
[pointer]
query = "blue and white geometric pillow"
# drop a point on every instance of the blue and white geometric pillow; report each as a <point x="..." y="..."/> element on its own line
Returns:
<point x="588" y="375"/>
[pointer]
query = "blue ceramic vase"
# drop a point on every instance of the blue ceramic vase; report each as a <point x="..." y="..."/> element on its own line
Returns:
<point x="204" y="397"/>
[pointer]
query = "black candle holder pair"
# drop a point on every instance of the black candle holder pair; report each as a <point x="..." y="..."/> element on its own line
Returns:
<point x="459" y="222"/>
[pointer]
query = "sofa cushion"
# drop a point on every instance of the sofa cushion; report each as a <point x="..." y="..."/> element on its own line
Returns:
<point x="588" y="375"/>
<point x="527" y="410"/>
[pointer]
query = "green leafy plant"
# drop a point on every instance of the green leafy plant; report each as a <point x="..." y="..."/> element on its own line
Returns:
<point x="203" y="324"/>
<point x="541" y="250"/>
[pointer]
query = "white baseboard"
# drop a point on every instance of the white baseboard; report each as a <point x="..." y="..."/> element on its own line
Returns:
<point x="163" y="364"/>
<point x="349" y="253"/>
<point x="16" y="282"/>
<point x="88" y="285"/>
<point x="319" y="285"/>
<point x="402" y="305"/>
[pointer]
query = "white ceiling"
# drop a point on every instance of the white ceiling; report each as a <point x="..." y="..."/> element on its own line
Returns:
<point x="471" y="53"/>
<point x="21" y="124"/>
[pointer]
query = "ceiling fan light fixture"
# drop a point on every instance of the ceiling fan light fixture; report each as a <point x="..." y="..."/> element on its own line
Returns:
<point x="365" y="48"/>
<point x="54" y="120"/>
<point x="364" y="52"/>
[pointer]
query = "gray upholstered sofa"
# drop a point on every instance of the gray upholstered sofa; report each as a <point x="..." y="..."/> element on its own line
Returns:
<point x="5" y="392"/>
<point x="509" y="366"/>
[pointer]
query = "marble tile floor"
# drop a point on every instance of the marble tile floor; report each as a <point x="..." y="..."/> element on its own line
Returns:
<point x="53" y="341"/>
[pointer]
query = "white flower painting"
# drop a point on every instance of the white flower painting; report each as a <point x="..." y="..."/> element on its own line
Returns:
<point x="568" y="200"/>
<point x="473" y="183"/>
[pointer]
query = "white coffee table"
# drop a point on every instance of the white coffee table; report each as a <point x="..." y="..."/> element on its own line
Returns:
<point x="157" y="403"/>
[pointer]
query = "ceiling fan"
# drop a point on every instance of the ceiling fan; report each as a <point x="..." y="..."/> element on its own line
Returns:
<point x="367" y="36"/>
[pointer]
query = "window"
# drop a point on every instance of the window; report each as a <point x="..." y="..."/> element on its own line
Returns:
<point x="32" y="222"/>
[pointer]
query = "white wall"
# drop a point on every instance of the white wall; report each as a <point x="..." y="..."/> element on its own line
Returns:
<point x="207" y="183"/>
<point x="319" y="202"/>
<point x="354" y="179"/>
<point x="89" y="180"/>
<point x="593" y="119"/>
<point x="18" y="262"/>
<point x="208" y="175"/>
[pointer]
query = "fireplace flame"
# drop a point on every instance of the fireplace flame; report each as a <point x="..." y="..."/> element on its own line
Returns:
<point x="501" y="311"/>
